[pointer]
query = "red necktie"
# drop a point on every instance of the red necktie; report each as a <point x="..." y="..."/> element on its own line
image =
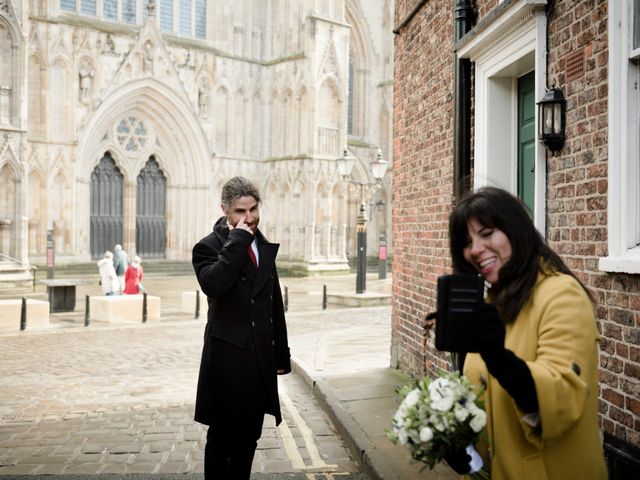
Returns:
<point x="252" y="256"/>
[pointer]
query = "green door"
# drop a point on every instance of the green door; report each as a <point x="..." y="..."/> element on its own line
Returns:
<point x="526" y="139"/>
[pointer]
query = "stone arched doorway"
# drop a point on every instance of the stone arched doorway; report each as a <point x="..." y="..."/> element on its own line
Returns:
<point x="151" y="222"/>
<point x="105" y="206"/>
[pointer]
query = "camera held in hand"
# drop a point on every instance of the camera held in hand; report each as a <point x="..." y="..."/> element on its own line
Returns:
<point x="459" y="296"/>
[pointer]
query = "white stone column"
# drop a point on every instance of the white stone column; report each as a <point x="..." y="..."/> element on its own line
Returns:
<point x="129" y="216"/>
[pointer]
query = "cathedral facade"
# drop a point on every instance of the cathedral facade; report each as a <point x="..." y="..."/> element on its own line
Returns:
<point x="120" y="121"/>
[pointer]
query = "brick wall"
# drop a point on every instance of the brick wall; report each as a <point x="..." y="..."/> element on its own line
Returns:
<point x="576" y="191"/>
<point x="577" y="208"/>
<point x="423" y="172"/>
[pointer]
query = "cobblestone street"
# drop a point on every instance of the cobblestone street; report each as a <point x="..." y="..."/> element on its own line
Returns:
<point x="119" y="399"/>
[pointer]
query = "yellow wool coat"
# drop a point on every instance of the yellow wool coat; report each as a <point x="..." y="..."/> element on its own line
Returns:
<point x="555" y="333"/>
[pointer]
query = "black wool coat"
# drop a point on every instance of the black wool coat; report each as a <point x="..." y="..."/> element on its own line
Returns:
<point x="245" y="339"/>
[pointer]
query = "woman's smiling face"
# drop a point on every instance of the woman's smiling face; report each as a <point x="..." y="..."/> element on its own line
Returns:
<point x="488" y="250"/>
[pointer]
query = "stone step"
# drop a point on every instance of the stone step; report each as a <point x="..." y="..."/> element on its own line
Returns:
<point x="90" y="269"/>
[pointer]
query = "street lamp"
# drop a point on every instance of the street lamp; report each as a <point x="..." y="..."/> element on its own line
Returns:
<point x="378" y="168"/>
<point x="551" y="119"/>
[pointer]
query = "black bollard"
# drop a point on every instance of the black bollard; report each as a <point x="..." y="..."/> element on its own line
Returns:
<point x="144" y="307"/>
<point x="286" y="298"/>
<point x="197" y="303"/>
<point x="324" y="297"/>
<point x="23" y="314"/>
<point x="86" y="311"/>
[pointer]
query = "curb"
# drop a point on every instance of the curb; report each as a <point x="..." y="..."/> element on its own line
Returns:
<point x="368" y="457"/>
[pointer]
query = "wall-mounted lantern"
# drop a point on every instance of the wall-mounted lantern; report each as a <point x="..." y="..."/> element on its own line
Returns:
<point x="551" y="119"/>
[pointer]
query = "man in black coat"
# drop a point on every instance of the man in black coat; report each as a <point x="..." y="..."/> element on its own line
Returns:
<point x="245" y="341"/>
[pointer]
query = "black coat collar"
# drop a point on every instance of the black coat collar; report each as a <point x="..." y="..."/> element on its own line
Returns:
<point x="267" y="252"/>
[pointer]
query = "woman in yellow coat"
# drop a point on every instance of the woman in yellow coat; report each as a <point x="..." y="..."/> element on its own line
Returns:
<point x="536" y="345"/>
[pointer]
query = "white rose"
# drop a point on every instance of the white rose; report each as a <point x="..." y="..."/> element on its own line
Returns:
<point x="461" y="413"/>
<point x="412" y="398"/>
<point x="478" y="421"/>
<point x="426" y="434"/>
<point x="441" y="395"/>
<point x="442" y="404"/>
<point x="403" y="437"/>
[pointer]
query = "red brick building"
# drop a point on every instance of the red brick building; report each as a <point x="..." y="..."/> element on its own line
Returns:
<point x="468" y="76"/>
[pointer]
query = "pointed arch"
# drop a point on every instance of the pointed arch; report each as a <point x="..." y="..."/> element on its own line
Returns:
<point x="339" y="220"/>
<point x="37" y="85"/>
<point x="8" y="208"/>
<point x="9" y="66"/>
<point x="181" y="151"/>
<point x="290" y="125"/>
<point x="322" y="223"/>
<point x="329" y="113"/>
<point x="240" y="122"/>
<point x="274" y="124"/>
<point x="61" y="100"/>
<point x="36" y="212"/>
<point x="59" y="210"/>
<point x="304" y="115"/>
<point x="258" y="120"/>
<point x="360" y="61"/>
<point x="222" y="120"/>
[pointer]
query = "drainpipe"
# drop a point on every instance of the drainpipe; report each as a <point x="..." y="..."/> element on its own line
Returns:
<point x="463" y="19"/>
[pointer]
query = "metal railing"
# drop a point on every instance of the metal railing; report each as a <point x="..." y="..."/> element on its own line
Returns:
<point x="32" y="268"/>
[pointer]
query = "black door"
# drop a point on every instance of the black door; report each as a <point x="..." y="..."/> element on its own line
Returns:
<point x="151" y="223"/>
<point x="105" y="207"/>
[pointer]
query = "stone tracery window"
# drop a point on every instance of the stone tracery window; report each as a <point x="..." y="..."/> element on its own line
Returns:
<point x="190" y="15"/>
<point x="132" y="134"/>
<point x="6" y="75"/>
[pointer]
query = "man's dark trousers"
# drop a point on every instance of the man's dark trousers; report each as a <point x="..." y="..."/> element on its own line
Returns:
<point x="230" y="447"/>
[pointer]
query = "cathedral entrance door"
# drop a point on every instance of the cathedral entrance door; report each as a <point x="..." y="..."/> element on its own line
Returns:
<point x="151" y="223"/>
<point x="106" y="206"/>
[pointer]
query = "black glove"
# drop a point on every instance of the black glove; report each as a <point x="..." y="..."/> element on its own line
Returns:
<point x="484" y="329"/>
<point x="459" y="461"/>
<point x="486" y="335"/>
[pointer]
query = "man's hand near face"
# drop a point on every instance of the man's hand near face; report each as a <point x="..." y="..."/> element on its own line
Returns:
<point x="241" y="225"/>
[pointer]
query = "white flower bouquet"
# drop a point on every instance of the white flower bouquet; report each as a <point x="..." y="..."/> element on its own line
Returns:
<point x="437" y="417"/>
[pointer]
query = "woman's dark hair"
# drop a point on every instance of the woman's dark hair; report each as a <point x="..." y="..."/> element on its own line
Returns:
<point x="496" y="208"/>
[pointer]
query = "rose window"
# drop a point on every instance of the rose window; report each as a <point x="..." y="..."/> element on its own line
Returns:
<point x="132" y="134"/>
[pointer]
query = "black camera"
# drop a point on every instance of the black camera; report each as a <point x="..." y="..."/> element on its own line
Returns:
<point x="458" y="297"/>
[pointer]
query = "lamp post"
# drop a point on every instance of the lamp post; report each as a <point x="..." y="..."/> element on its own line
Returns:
<point x="365" y="190"/>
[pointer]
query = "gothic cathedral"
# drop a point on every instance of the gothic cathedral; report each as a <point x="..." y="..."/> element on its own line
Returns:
<point x="120" y="120"/>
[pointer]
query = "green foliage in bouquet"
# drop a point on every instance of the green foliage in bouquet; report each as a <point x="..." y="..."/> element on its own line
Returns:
<point x="437" y="416"/>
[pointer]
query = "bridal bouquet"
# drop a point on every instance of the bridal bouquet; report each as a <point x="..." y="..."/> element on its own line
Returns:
<point x="437" y="417"/>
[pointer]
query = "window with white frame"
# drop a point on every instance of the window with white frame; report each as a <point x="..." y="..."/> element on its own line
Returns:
<point x="624" y="138"/>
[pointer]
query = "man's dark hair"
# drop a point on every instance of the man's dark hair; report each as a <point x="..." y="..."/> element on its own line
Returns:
<point x="496" y="208"/>
<point x="238" y="187"/>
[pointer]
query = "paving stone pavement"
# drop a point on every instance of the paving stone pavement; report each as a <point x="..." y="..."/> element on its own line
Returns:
<point x="119" y="399"/>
